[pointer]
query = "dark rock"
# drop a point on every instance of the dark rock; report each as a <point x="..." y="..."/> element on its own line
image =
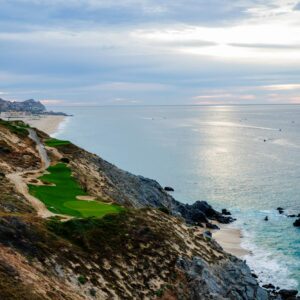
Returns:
<point x="168" y="189"/>
<point x="280" y="210"/>
<point x="65" y="160"/>
<point x="226" y="212"/>
<point x="211" y="213"/>
<point x="297" y="223"/>
<point x="269" y="286"/>
<point x="226" y="279"/>
<point x="137" y="191"/>
<point x="212" y="226"/>
<point x="266" y="218"/>
<point x="286" y="294"/>
<point x="254" y="275"/>
<point x="207" y="234"/>
<point x="292" y="216"/>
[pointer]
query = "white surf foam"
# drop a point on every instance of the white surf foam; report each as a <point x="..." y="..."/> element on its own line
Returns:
<point x="236" y="125"/>
<point x="268" y="266"/>
<point x="61" y="128"/>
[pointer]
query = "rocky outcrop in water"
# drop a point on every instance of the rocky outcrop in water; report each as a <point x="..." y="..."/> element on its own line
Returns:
<point x="297" y="223"/>
<point x="143" y="253"/>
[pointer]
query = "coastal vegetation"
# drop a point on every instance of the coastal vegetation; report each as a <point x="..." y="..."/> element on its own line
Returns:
<point x="60" y="191"/>
<point x="105" y="251"/>
<point x="56" y="143"/>
<point x="16" y="127"/>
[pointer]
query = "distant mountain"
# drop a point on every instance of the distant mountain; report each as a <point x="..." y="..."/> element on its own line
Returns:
<point x="27" y="106"/>
<point x="31" y="106"/>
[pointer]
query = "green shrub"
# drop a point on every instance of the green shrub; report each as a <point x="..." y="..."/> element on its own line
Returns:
<point x="82" y="279"/>
<point x="164" y="210"/>
<point x="65" y="160"/>
<point x="92" y="292"/>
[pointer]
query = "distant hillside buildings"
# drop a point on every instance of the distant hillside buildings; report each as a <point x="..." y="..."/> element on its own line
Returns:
<point x="15" y="109"/>
<point x="30" y="106"/>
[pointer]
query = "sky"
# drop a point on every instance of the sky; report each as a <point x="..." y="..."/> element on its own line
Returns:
<point x="149" y="52"/>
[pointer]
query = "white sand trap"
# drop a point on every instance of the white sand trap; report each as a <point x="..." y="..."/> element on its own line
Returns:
<point x="86" y="198"/>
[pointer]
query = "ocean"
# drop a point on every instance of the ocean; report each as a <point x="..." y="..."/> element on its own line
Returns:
<point x="243" y="158"/>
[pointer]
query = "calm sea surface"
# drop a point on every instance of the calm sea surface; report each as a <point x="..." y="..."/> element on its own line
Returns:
<point x="244" y="158"/>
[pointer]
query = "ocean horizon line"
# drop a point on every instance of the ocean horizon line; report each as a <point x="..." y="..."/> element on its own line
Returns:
<point x="179" y="105"/>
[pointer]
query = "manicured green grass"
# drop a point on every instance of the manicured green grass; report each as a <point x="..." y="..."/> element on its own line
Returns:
<point x="56" y="143"/>
<point x="61" y="198"/>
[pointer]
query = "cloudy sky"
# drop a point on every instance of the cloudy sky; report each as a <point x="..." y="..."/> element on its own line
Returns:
<point x="119" y="52"/>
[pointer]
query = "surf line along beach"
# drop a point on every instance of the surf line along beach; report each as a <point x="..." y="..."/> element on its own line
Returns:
<point x="47" y="123"/>
<point x="228" y="237"/>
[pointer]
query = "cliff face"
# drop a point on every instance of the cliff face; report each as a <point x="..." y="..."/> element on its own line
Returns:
<point x="104" y="180"/>
<point x="140" y="253"/>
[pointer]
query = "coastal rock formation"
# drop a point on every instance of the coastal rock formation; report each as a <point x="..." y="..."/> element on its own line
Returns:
<point x="280" y="210"/>
<point x="103" y="179"/>
<point x="225" y="212"/>
<point x="229" y="279"/>
<point x="143" y="252"/>
<point x="297" y="223"/>
<point x="168" y="189"/>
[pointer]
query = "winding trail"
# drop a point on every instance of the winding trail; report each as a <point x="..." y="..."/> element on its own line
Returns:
<point x="40" y="148"/>
<point x="18" y="180"/>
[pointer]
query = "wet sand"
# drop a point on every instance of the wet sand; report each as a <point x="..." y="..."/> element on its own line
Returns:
<point x="230" y="240"/>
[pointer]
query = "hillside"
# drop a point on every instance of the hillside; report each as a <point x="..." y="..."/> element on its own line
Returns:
<point x="27" y="105"/>
<point x="149" y="247"/>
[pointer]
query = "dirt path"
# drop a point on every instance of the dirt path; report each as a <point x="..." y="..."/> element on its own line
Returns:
<point x="22" y="188"/>
<point x="21" y="184"/>
<point x="40" y="148"/>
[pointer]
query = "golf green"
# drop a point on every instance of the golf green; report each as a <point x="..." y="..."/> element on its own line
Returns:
<point x="60" y="195"/>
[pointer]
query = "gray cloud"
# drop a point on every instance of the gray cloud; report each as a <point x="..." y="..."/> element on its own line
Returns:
<point x="297" y="6"/>
<point x="83" y="49"/>
<point x="266" y="46"/>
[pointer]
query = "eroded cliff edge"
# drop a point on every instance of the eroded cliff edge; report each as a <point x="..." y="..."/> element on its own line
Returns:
<point x="148" y="251"/>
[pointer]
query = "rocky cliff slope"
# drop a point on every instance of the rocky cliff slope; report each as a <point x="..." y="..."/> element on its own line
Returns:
<point x="151" y="250"/>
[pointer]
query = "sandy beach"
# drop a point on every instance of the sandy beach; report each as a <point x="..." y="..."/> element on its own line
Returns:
<point x="48" y="124"/>
<point x="230" y="240"/>
<point x="228" y="237"/>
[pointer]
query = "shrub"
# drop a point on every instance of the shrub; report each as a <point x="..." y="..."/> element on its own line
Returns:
<point x="164" y="210"/>
<point x="82" y="279"/>
<point x="92" y="292"/>
<point x="65" y="160"/>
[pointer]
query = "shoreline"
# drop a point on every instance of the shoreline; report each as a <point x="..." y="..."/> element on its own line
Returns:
<point x="228" y="237"/>
<point x="48" y="123"/>
<point x="230" y="240"/>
